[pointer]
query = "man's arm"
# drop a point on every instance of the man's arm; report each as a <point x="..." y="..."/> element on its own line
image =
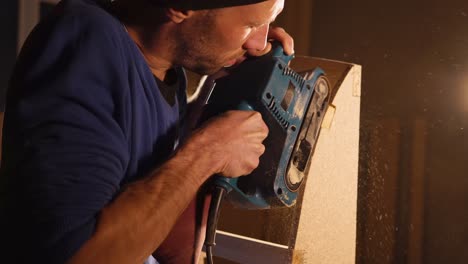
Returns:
<point x="131" y="227"/>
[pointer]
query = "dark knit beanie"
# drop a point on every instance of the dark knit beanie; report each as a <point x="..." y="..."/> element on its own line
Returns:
<point x="203" y="4"/>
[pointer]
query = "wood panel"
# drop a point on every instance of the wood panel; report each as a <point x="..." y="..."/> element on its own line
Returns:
<point x="327" y="226"/>
<point x="324" y="218"/>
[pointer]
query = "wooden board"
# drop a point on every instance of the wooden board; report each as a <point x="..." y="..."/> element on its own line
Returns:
<point x="321" y="227"/>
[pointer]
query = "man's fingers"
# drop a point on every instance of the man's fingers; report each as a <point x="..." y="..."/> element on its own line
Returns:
<point x="279" y="34"/>
<point x="260" y="149"/>
<point x="261" y="129"/>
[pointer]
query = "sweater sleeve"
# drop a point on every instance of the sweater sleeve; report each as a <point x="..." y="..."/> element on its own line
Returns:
<point x="65" y="150"/>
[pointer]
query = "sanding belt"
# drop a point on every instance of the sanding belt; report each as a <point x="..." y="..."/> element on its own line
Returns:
<point x="203" y="4"/>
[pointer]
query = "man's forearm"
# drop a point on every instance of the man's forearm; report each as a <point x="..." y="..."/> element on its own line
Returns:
<point x="131" y="227"/>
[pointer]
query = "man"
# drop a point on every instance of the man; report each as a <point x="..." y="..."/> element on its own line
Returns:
<point x="97" y="167"/>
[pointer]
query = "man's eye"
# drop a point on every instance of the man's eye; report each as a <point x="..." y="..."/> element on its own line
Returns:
<point x="253" y="26"/>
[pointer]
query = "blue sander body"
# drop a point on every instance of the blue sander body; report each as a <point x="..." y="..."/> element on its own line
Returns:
<point x="293" y="106"/>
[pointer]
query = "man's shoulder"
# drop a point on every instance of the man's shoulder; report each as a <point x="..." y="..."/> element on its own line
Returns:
<point x="77" y="39"/>
<point x="74" y="27"/>
<point x="74" y="21"/>
<point x="86" y="15"/>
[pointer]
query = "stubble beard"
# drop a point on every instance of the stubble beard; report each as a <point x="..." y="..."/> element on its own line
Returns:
<point x="194" y="46"/>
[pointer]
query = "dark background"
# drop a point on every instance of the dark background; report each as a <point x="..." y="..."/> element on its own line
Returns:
<point x="413" y="179"/>
<point x="8" y="29"/>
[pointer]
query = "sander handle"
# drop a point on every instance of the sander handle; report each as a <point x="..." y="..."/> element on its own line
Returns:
<point x="230" y="184"/>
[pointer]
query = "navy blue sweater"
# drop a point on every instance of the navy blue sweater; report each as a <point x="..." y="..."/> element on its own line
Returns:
<point x="84" y="117"/>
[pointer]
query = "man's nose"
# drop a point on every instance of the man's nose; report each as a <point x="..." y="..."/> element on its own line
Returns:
<point x="258" y="40"/>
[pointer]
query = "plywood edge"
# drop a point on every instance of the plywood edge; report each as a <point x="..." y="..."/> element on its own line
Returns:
<point x="248" y="250"/>
<point x="327" y="225"/>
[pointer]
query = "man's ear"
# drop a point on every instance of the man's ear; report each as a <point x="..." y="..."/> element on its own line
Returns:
<point x="177" y="16"/>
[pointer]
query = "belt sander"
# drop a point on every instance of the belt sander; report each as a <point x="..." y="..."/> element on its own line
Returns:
<point x="293" y="105"/>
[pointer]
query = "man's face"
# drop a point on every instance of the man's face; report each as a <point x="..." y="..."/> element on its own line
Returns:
<point x="212" y="39"/>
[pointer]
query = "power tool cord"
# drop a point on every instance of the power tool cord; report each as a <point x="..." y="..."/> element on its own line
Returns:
<point x="213" y="215"/>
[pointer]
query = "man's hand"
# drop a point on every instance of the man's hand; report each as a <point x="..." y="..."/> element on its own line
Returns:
<point x="233" y="140"/>
<point x="232" y="143"/>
